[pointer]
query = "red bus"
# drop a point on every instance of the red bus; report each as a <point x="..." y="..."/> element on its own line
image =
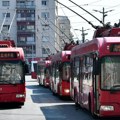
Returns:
<point x="40" y="71"/>
<point x="34" y="69"/>
<point x="60" y="83"/>
<point x="43" y="72"/>
<point x="95" y="76"/>
<point x="12" y="73"/>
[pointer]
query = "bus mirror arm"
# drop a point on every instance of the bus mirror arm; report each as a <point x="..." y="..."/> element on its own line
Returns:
<point x="96" y="67"/>
<point x="26" y="68"/>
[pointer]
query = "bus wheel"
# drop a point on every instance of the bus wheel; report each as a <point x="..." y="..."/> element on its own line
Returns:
<point x="90" y="108"/>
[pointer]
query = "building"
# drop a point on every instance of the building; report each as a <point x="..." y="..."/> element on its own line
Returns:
<point x="35" y="26"/>
<point x="31" y="23"/>
<point x="64" y="33"/>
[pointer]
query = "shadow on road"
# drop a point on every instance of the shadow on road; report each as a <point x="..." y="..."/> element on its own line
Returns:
<point x="55" y="108"/>
<point x="6" y="106"/>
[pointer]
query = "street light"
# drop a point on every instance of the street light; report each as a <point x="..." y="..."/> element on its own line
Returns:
<point x="83" y="33"/>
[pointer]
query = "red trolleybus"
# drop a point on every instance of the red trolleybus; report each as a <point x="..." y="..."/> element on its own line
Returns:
<point x="43" y="72"/>
<point x="61" y="73"/>
<point x="34" y="69"/>
<point x="40" y="71"/>
<point x="12" y="74"/>
<point x="95" y="79"/>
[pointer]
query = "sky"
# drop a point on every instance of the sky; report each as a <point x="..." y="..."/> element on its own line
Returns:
<point x="95" y="7"/>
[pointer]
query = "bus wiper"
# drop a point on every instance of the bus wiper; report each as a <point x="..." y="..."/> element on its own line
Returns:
<point x="115" y="87"/>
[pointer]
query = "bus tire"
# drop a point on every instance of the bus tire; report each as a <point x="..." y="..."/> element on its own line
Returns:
<point x="90" y="108"/>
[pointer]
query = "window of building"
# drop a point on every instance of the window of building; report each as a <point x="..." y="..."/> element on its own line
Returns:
<point x="21" y="27"/>
<point x="30" y="27"/>
<point x="62" y="26"/>
<point x="45" y="38"/>
<point x="22" y="39"/>
<point x="21" y="3"/>
<point x="45" y="50"/>
<point x="6" y="14"/>
<point x="5" y="3"/>
<point x="46" y="28"/>
<point x="29" y="3"/>
<point x="44" y="2"/>
<point x="30" y="39"/>
<point x="6" y="27"/>
<point x="45" y="15"/>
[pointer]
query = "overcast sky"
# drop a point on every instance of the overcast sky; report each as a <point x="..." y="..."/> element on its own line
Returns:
<point x="112" y="7"/>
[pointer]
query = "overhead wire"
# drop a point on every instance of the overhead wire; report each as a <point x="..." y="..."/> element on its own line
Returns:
<point x="51" y="29"/>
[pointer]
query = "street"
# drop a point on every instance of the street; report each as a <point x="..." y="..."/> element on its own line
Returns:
<point x="41" y="104"/>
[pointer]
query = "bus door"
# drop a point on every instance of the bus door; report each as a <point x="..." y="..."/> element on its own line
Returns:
<point x="72" y="80"/>
<point x="96" y="85"/>
<point x="55" y="77"/>
<point x="81" y="80"/>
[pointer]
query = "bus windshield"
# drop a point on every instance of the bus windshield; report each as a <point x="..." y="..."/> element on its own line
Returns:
<point x="11" y="72"/>
<point x="110" y="73"/>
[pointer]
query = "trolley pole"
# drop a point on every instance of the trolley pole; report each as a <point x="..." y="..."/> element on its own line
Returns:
<point x="83" y="33"/>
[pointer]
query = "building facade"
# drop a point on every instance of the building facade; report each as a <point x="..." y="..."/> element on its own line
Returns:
<point x="64" y="33"/>
<point x="31" y="24"/>
<point x="35" y="26"/>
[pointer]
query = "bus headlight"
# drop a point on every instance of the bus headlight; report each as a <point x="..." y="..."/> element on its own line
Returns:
<point x="47" y="83"/>
<point x="20" y="96"/>
<point x="106" y="108"/>
<point x="66" y="90"/>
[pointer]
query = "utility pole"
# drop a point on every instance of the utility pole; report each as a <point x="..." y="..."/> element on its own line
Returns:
<point x="104" y="13"/>
<point x="83" y="34"/>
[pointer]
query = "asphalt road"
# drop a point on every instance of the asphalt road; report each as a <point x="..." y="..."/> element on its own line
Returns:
<point x="41" y="104"/>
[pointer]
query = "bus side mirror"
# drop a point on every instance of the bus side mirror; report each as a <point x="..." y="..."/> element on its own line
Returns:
<point x="60" y="67"/>
<point x="96" y="67"/>
<point x="26" y="68"/>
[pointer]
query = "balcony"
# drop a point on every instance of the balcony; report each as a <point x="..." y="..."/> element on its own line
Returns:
<point x="25" y="6"/>
<point x="29" y="42"/>
<point x="26" y="31"/>
<point x="26" y="19"/>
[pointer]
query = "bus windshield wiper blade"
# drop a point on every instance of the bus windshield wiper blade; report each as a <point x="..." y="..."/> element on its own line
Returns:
<point x="115" y="87"/>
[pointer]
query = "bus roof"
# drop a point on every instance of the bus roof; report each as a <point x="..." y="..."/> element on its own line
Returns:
<point x="61" y="56"/>
<point x="7" y="43"/>
<point x="14" y="49"/>
<point x="98" y="44"/>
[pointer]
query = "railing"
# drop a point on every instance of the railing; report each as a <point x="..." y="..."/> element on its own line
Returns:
<point x="26" y="19"/>
<point x="25" y="6"/>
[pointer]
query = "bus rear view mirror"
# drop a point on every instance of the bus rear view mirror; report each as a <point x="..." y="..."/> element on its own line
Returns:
<point x="26" y="68"/>
<point x="96" y="67"/>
